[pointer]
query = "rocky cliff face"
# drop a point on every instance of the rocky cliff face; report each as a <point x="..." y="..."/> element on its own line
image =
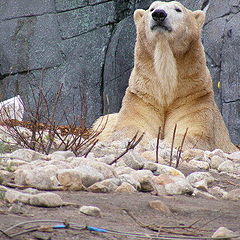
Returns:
<point x="88" y="47"/>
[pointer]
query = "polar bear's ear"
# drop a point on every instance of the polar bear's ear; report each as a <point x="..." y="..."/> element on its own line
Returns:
<point x="200" y="17"/>
<point x="138" y="14"/>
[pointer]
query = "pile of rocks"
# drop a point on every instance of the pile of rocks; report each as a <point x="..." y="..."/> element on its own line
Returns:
<point x="137" y="170"/>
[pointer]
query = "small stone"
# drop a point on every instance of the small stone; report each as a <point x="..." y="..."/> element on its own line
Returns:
<point x="191" y="154"/>
<point x="99" y="188"/>
<point x="89" y="175"/>
<point x="216" y="161"/>
<point x="217" y="152"/>
<point x="235" y="156"/>
<point x="201" y="185"/>
<point x="13" y="196"/>
<point x="233" y="195"/>
<point x="199" y="164"/>
<point x="123" y="170"/>
<point x="70" y="179"/>
<point x="40" y="177"/>
<point x="226" y="166"/>
<point x="106" y="159"/>
<point x="162" y="179"/>
<point x="106" y="170"/>
<point x="150" y="166"/>
<point x="179" y="187"/>
<point x="133" y="160"/>
<point x="168" y="170"/>
<point x="108" y="185"/>
<point x="131" y="180"/>
<point x="207" y="195"/>
<point x="125" y="187"/>
<point x="47" y="199"/>
<point x="224" y="233"/>
<point x="90" y="211"/>
<point x="196" y="177"/>
<point x="30" y="191"/>
<point x="160" y="206"/>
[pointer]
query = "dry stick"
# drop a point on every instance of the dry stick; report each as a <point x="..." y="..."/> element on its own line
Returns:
<point x="131" y="145"/>
<point x="173" y="139"/>
<point x="158" y="139"/>
<point x="90" y="149"/>
<point x="180" y="149"/>
<point x="165" y="229"/>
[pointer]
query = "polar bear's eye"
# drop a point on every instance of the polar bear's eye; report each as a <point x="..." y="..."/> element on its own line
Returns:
<point x="151" y="9"/>
<point x="178" y="10"/>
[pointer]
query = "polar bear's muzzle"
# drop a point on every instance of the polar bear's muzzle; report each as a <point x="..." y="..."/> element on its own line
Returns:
<point x="159" y="21"/>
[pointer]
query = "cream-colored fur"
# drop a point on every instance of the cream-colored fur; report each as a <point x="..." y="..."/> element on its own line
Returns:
<point x="170" y="84"/>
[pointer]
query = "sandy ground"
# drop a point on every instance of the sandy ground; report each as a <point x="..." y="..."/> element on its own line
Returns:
<point x="129" y="213"/>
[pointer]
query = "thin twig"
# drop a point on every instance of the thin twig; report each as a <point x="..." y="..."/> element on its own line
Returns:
<point x="158" y="139"/>
<point x="173" y="139"/>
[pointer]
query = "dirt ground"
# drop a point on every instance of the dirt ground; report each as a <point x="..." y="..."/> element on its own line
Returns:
<point x="127" y="212"/>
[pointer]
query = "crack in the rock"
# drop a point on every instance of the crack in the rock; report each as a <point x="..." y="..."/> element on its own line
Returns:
<point x="28" y="16"/>
<point x="205" y="4"/>
<point x="231" y="101"/>
<point x="103" y="109"/>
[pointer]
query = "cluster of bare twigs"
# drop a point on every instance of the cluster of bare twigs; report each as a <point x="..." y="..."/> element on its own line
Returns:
<point x="42" y="133"/>
<point x="131" y="145"/>
<point x="179" y="149"/>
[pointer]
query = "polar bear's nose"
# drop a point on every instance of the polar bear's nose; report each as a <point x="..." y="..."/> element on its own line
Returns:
<point x="159" y="15"/>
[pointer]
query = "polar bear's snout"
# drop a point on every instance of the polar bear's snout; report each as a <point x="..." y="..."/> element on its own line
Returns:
<point x="159" y="15"/>
<point x="159" y="21"/>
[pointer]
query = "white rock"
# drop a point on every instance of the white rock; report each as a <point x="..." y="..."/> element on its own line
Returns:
<point x="106" y="170"/>
<point x="70" y="179"/>
<point x="150" y="166"/>
<point x="217" y="152"/>
<point x="141" y="175"/>
<point x="216" y="161"/>
<point x="201" y="185"/>
<point x="12" y="196"/>
<point x="108" y="185"/>
<point x="130" y="179"/>
<point x="133" y="160"/>
<point x="126" y="187"/>
<point x="168" y="170"/>
<point x="199" y="164"/>
<point x="39" y="177"/>
<point x="98" y="187"/>
<point x="90" y="211"/>
<point x="27" y="155"/>
<point x="233" y="195"/>
<point x="226" y="166"/>
<point x="179" y="187"/>
<point x="47" y="199"/>
<point x="108" y="159"/>
<point x="61" y="155"/>
<point x="199" y="193"/>
<point x="223" y="232"/>
<point x="191" y="154"/>
<point x="234" y="156"/>
<point x="123" y="170"/>
<point x="196" y="177"/>
<point x="89" y="175"/>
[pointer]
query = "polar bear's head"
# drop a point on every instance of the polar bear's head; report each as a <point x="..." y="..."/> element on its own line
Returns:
<point x="171" y="21"/>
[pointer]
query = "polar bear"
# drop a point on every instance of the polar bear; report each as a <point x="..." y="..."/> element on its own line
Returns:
<point x="170" y="83"/>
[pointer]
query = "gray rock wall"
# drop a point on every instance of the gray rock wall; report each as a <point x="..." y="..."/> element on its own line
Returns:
<point x="88" y="47"/>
